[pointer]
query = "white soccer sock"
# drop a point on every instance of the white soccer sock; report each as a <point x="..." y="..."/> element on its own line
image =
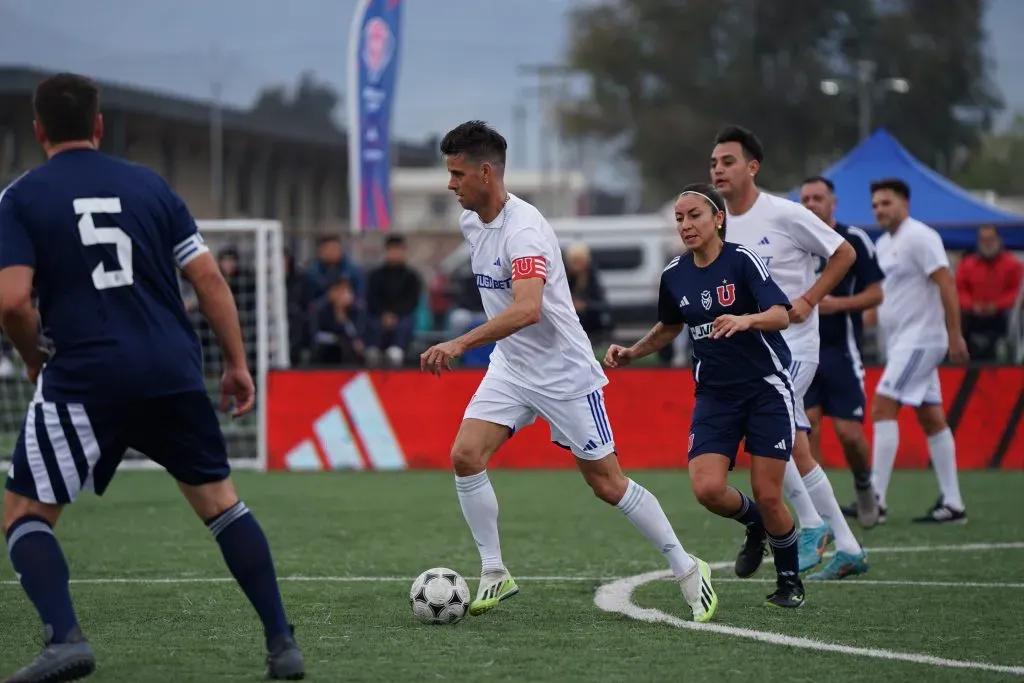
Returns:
<point x="796" y="493"/>
<point x="943" y="451"/>
<point x="820" y="490"/>
<point x="883" y="457"/>
<point x="644" y="511"/>
<point x="480" y="508"/>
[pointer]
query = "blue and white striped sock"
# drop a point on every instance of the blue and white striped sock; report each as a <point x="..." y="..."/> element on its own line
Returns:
<point x="645" y="512"/>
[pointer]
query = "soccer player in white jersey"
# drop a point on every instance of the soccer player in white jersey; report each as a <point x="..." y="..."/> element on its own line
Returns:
<point x="789" y="239"/>
<point x="542" y="365"/>
<point x="920" y="320"/>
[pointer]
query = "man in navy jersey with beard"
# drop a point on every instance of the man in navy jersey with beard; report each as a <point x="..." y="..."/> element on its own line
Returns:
<point x="116" y="365"/>
<point x="838" y="387"/>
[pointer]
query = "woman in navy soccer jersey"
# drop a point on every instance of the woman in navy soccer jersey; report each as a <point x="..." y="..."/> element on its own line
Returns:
<point x="734" y="311"/>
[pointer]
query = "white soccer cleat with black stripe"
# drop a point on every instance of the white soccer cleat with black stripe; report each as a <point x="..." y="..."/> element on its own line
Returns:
<point x="697" y="591"/>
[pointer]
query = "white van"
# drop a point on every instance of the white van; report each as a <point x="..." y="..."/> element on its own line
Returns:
<point x="629" y="252"/>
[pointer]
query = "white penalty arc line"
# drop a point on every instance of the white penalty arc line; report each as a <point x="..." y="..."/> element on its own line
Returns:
<point x="617" y="597"/>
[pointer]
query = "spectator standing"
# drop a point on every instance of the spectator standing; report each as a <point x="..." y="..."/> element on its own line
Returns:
<point x="588" y="295"/>
<point x="392" y="297"/>
<point x="988" y="282"/>
<point x="337" y="327"/>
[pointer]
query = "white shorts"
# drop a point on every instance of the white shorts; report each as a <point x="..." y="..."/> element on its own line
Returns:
<point x="578" y="424"/>
<point x="801" y="373"/>
<point x="911" y="376"/>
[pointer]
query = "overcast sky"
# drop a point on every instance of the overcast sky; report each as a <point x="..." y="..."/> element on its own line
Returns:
<point x="460" y="56"/>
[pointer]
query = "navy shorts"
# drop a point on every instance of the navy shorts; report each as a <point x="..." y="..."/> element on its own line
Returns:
<point x="65" y="447"/>
<point x="763" y="417"/>
<point x="838" y="386"/>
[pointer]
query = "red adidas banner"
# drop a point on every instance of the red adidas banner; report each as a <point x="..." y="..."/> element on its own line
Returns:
<point x="392" y="420"/>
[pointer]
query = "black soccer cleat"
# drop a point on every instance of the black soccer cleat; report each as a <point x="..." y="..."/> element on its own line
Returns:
<point x="942" y="514"/>
<point x="59" y="662"/>
<point x="850" y="512"/>
<point x="284" y="659"/>
<point x="789" y="593"/>
<point x="752" y="552"/>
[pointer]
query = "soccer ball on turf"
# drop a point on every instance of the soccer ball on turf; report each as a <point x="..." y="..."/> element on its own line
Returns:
<point x="439" y="596"/>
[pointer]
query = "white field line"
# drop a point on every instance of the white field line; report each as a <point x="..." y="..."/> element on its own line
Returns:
<point x="727" y="564"/>
<point x="617" y="597"/>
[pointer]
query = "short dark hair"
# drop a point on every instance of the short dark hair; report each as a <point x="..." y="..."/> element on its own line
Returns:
<point x="752" y="147"/>
<point x="712" y="196"/>
<point x="820" y="179"/>
<point x="394" y="241"/>
<point x="896" y="185"/>
<point x="66" y="106"/>
<point x="475" y="140"/>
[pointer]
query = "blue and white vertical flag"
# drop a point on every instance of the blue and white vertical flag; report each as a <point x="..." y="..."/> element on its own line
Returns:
<point x="373" y="74"/>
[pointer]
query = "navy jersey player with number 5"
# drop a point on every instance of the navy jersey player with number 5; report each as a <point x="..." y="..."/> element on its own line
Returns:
<point x="116" y="365"/>
<point x="735" y="311"/>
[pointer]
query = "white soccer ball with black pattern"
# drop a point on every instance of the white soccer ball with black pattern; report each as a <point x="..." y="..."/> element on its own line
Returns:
<point x="439" y="596"/>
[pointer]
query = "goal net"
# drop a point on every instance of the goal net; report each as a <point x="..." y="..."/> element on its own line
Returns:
<point x="255" y="249"/>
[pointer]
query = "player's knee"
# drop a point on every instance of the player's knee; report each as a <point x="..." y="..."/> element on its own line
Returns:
<point x="17" y="507"/>
<point x="884" y="408"/>
<point x="210" y="500"/>
<point x="710" y="491"/>
<point x="931" y="419"/>
<point x="609" y="487"/>
<point x="848" y="433"/>
<point x="767" y="494"/>
<point x="468" y="459"/>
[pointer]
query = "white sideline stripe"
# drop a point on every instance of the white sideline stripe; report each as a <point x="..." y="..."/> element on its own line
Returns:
<point x="617" y="597"/>
<point x="661" y="574"/>
<point x="887" y="582"/>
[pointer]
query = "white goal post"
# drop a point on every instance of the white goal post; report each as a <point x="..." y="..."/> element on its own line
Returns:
<point x="259" y="287"/>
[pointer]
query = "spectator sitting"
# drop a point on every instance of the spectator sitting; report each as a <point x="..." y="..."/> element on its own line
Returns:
<point x="988" y="282"/>
<point x="298" y="321"/>
<point x="587" y="293"/>
<point x="332" y="262"/>
<point x="337" y="329"/>
<point x="392" y="295"/>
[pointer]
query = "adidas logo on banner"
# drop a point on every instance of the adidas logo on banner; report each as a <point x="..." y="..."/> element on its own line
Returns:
<point x="362" y="439"/>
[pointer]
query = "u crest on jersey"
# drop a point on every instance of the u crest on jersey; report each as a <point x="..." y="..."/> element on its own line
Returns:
<point x="726" y="294"/>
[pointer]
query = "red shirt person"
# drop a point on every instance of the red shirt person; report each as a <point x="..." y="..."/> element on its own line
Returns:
<point x="988" y="282"/>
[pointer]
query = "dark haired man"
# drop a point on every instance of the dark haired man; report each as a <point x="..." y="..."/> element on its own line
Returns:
<point x="838" y="387"/>
<point x="790" y="239"/>
<point x="103" y="241"/>
<point x="920" y="321"/>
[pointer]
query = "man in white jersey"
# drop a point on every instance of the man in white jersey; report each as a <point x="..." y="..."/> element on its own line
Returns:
<point x="542" y="365"/>
<point x="919" y="319"/>
<point x="790" y="239"/>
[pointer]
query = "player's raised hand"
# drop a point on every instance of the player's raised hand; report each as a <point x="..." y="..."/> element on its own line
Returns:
<point x="236" y="384"/>
<point x="617" y="356"/>
<point x="728" y="325"/>
<point x="439" y="357"/>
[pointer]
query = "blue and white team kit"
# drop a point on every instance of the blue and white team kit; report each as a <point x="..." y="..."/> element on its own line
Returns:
<point x="743" y="389"/>
<point x="548" y="369"/>
<point x="838" y="386"/>
<point x="105" y="238"/>
<point x="790" y="241"/>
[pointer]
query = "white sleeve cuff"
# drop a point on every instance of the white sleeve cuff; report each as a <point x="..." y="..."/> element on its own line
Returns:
<point x="188" y="249"/>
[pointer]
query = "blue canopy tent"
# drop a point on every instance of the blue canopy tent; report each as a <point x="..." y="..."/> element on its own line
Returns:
<point x="934" y="199"/>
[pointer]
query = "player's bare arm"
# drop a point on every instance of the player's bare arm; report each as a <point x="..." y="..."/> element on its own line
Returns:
<point x="527" y="296"/>
<point x="836" y="267"/>
<point x="217" y="304"/>
<point x="660" y="336"/>
<point x="951" y="305"/>
<point x="19" y="318"/>
<point x="869" y="298"/>
<point x="775" y="319"/>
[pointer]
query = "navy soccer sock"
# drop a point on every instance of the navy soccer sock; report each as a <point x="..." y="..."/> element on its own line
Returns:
<point x="862" y="480"/>
<point x="784" y="548"/>
<point x="43" y="572"/>
<point x="247" y="555"/>
<point x="748" y="515"/>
